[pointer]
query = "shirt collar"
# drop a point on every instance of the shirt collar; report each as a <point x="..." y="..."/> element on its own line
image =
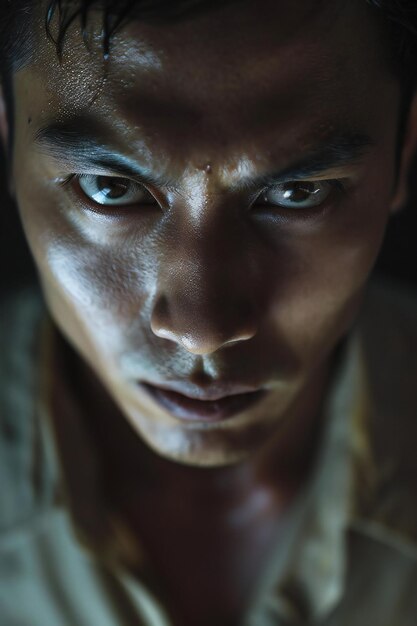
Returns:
<point x="310" y="562"/>
<point x="354" y="484"/>
<point x="365" y="478"/>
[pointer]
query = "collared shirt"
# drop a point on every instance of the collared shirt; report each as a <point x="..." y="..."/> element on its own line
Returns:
<point x="347" y="557"/>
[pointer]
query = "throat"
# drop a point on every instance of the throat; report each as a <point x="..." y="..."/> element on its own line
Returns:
<point x="206" y="562"/>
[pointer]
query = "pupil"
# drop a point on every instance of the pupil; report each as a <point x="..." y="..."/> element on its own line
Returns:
<point x="112" y="188"/>
<point x="299" y="193"/>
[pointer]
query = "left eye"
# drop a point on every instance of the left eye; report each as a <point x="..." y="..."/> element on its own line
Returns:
<point x="296" y="194"/>
<point x="114" y="191"/>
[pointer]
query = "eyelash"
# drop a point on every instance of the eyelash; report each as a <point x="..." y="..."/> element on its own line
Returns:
<point x="338" y="187"/>
<point x="72" y="185"/>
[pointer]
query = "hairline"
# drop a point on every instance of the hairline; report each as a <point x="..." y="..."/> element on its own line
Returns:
<point x="186" y="8"/>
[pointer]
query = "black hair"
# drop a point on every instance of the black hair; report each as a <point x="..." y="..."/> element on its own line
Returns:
<point x="115" y="14"/>
<point x="15" y="25"/>
<point x="399" y="18"/>
<point x="16" y="39"/>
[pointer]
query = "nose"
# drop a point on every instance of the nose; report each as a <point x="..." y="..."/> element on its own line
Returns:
<point x="204" y="301"/>
<point x="201" y="329"/>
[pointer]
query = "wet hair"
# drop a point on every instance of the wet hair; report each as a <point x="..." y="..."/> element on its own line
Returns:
<point x="398" y="16"/>
<point x="16" y="38"/>
<point x="398" y="19"/>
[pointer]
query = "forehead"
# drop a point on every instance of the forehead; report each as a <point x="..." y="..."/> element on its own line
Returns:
<point x="221" y="77"/>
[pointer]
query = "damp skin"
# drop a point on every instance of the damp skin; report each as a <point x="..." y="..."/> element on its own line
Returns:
<point x="205" y="286"/>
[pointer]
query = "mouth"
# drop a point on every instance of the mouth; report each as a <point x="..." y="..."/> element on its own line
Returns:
<point x="193" y="409"/>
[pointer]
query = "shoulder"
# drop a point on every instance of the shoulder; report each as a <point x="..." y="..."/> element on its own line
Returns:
<point x="389" y="306"/>
<point x="21" y="316"/>
<point x="388" y="328"/>
<point x="388" y="331"/>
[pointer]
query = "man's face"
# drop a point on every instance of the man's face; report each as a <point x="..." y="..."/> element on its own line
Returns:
<point x="175" y="242"/>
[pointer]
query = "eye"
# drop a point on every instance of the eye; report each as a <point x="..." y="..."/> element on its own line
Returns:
<point x="114" y="191"/>
<point x="297" y="194"/>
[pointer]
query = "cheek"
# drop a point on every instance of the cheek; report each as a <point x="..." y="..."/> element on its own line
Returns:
<point x="322" y="271"/>
<point x="97" y="293"/>
<point x="100" y="280"/>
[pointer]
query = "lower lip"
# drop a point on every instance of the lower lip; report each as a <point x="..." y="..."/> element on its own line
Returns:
<point x="203" y="410"/>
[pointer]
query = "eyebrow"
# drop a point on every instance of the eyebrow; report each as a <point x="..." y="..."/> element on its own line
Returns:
<point x="342" y="149"/>
<point x="77" y="141"/>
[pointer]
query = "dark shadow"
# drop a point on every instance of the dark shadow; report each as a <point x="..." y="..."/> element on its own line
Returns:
<point x="397" y="260"/>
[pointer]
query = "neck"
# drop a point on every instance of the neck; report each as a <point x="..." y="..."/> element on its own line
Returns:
<point x="279" y="467"/>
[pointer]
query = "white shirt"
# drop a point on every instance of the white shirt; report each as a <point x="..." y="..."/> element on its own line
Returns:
<point x="348" y="556"/>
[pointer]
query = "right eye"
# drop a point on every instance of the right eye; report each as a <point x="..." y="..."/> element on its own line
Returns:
<point x="298" y="194"/>
<point x="114" y="190"/>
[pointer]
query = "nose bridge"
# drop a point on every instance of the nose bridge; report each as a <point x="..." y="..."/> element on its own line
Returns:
<point x="203" y="298"/>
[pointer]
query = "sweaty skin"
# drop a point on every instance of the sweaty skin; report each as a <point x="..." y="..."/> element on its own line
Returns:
<point x="206" y="288"/>
<point x="199" y="282"/>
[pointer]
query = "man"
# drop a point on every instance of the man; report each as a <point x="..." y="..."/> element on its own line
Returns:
<point x="218" y="426"/>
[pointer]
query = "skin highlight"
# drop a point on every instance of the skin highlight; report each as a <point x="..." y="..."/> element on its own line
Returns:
<point x="207" y="284"/>
<point x="142" y="292"/>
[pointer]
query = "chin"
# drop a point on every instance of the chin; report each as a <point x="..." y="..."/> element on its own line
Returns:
<point x="206" y="447"/>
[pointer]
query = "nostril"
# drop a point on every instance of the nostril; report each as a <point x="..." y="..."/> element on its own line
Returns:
<point x="242" y="337"/>
<point x="199" y="329"/>
<point x="202" y="344"/>
<point x="164" y="333"/>
<point x="160" y="319"/>
<point x="208" y="344"/>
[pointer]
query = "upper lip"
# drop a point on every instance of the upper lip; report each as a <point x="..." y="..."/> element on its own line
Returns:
<point x="216" y="391"/>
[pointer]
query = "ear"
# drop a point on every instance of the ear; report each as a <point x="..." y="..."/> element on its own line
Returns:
<point x="4" y="140"/>
<point x="4" y="126"/>
<point x="409" y="149"/>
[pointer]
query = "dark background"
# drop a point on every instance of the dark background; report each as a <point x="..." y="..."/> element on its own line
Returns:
<point x="398" y="258"/>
